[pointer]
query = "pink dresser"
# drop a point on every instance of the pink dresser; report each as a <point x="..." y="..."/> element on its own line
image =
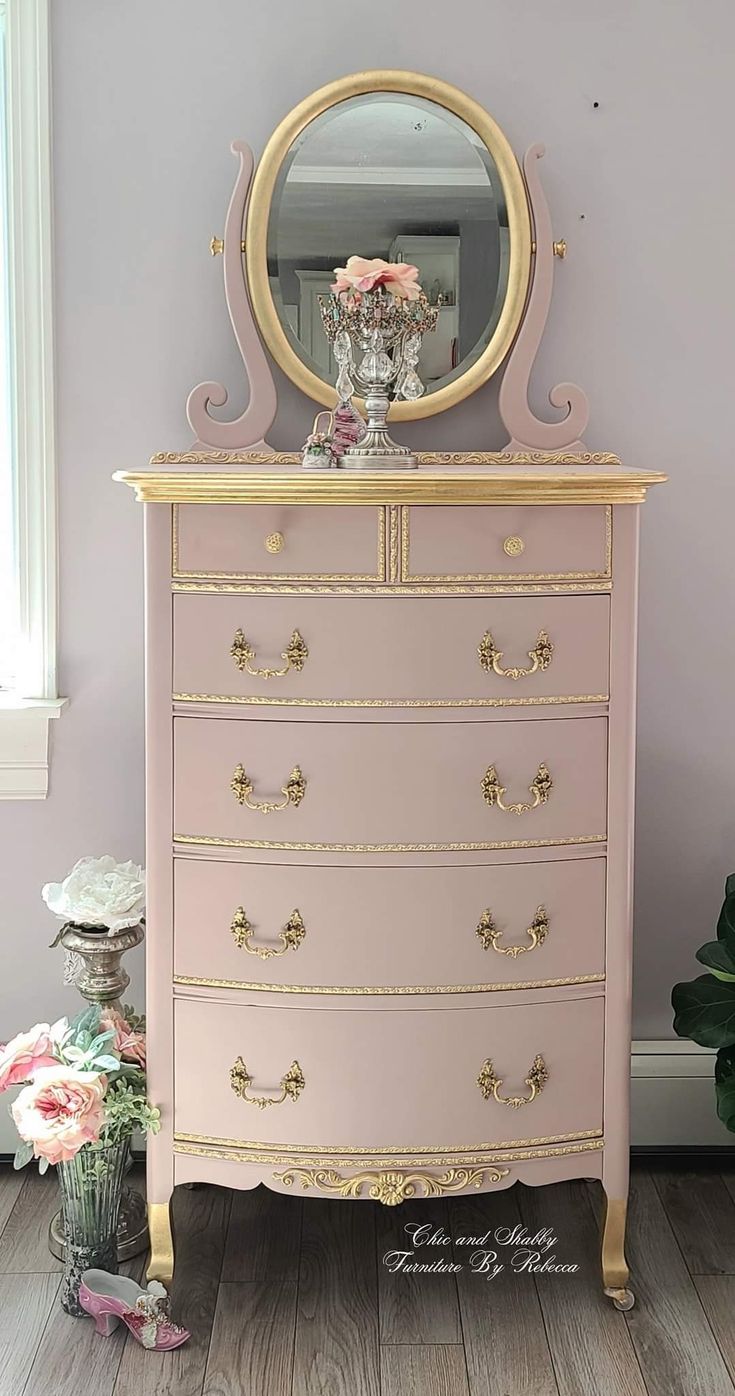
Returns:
<point x="390" y="729"/>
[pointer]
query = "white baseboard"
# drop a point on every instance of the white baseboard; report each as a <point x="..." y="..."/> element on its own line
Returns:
<point x="672" y="1096"/>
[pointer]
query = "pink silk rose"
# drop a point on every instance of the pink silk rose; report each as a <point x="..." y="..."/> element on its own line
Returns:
<point x="60" y="1111"/>
<point x="365" y="273"/>
<point x="24" y="1055"/>
<point x="129" y="1044"/>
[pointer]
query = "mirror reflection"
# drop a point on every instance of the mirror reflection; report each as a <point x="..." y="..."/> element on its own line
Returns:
<point x="398" y="177"/>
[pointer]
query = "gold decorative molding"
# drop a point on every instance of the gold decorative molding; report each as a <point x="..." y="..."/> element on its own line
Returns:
<point x="423" y="457"/>
<point x="441" y="1156"/>
<point x="213" y="588"/>
<point x="209" y="841"/>
<point x="573" y="481"/>
<point x="260" y="700"/>
<point x="391" y="1188"/>
<point x="196" y="981"/>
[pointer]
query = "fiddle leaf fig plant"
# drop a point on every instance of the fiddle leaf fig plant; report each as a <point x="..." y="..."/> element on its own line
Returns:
<point x="704" y="1008"/>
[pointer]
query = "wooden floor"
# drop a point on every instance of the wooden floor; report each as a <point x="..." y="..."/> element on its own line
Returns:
<point x="290" y="1297"/>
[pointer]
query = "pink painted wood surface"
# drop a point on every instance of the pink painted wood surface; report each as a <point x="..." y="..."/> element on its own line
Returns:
<point x="621" y="814"/>
<point x="413" y="648"/>
<point x="525" y="429"/>
<point x="388" y="1078"/>
<point x="159" y="874"/>
<point x="389" y="926"/>
<point x="318" y="542"/>
<point x="251" y="427"/>
<point x="224" y="1173"/>
<point x="389" y="782"/>
<point x="468" y="542"/>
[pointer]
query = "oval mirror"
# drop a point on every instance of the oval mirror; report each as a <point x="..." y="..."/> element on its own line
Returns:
<point x="407" y="168"/>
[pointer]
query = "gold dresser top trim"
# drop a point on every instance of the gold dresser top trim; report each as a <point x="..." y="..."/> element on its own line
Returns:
<point x="452" y="477"/>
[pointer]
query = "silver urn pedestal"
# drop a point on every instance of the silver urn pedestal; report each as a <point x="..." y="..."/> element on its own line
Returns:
<point x="102" y="981"/>
<point x="388" y="332"/>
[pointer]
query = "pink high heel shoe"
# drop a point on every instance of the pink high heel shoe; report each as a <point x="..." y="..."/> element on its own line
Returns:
<point x="111" y="1299"/>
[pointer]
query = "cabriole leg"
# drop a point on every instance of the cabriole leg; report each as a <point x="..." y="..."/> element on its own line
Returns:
<point x="615" y="1273"/>
<point x="161" y="1265"/>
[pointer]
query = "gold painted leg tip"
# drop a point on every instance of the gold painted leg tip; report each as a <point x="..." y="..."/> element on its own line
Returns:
<point x="623" y="1299"/>
<point x="161" y="1263"/>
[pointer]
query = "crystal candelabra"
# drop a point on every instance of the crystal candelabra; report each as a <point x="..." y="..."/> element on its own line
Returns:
<point x="388" y="332"/>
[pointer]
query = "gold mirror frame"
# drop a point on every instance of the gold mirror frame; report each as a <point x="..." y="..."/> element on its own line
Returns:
<point x="519" y="226"/>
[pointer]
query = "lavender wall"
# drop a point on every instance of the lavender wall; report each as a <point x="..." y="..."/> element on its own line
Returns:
<point x="147" y="98"/>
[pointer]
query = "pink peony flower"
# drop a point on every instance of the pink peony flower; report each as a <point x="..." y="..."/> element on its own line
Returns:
<point x="60" y="1111"/>
<point x="129" y="1044"/>
<point x="364" y="274"/>
<point x="24" y="1055"/>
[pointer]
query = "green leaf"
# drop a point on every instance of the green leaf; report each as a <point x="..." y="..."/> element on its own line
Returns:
<point x="726" y="922"/>
<point x="725" y="1086"/>
<point x="43" y="1165"/>
<point x="719" y="957"/>
<point x="23" y="1155"/>
<point x="704" y="1010"/>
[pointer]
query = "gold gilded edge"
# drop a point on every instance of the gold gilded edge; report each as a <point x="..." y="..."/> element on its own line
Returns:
<point x="355" y="487"/>
<point x="389" y="589"/>
<point x="355" y="1158"/>
<point x="257" y="577"/>
<point x="386" y="847"/>
<point x="595" y="698"/>
<point x="383" y="989"/>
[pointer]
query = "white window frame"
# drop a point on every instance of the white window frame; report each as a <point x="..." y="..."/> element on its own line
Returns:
<point x="25" y="714"/>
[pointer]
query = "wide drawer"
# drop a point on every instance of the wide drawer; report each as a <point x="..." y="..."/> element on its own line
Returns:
<point x="252" y="542"/>
<point x="489" y="543"/>
<point x="389" y="1078"/>
<point x="391" y="650"/>
<point x="398" y="930"/>
<point x="417" y="786"/>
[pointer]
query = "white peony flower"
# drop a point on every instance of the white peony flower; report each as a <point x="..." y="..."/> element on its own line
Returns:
<point x="99" y="892"/>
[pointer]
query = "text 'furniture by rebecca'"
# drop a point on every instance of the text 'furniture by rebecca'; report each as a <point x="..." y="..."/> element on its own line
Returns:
<point x="390" y="724"/>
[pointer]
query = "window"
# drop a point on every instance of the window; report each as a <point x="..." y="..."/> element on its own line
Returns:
<point x="28" y="696"/>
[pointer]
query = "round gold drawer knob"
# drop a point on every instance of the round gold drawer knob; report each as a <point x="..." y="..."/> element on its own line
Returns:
<point x="274" y="542"/>
<point x="514" y="546"/>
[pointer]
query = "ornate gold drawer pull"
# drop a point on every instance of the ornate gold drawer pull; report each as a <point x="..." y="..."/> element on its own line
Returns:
<point x="292" y="1084"/>
<point x="490" y="935"/>
<point x="490" y="657"/>
<point x="293" y="791"/>
<point x="491" y="1085"/>
<point x="290" y="937"/>
<point x="295" y="656"/>
<point x="539" y="790"/>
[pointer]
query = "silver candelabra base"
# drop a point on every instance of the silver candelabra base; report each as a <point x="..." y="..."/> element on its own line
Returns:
<point x="377" y="450"/>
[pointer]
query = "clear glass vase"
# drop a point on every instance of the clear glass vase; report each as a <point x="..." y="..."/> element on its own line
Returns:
<point x="91" y="1187"/>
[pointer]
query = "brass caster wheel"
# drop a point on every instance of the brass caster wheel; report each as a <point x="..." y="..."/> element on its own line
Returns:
<point x="623" y="1299"/>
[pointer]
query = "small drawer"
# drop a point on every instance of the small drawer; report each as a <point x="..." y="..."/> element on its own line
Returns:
<point x="495" y="543"/>
<point x="400" y="931"/>
<point x="373" y="787"/>
<point x="413" y="1078"/>
<point x="417" y="651"/>
<point x="286" y="542"/>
